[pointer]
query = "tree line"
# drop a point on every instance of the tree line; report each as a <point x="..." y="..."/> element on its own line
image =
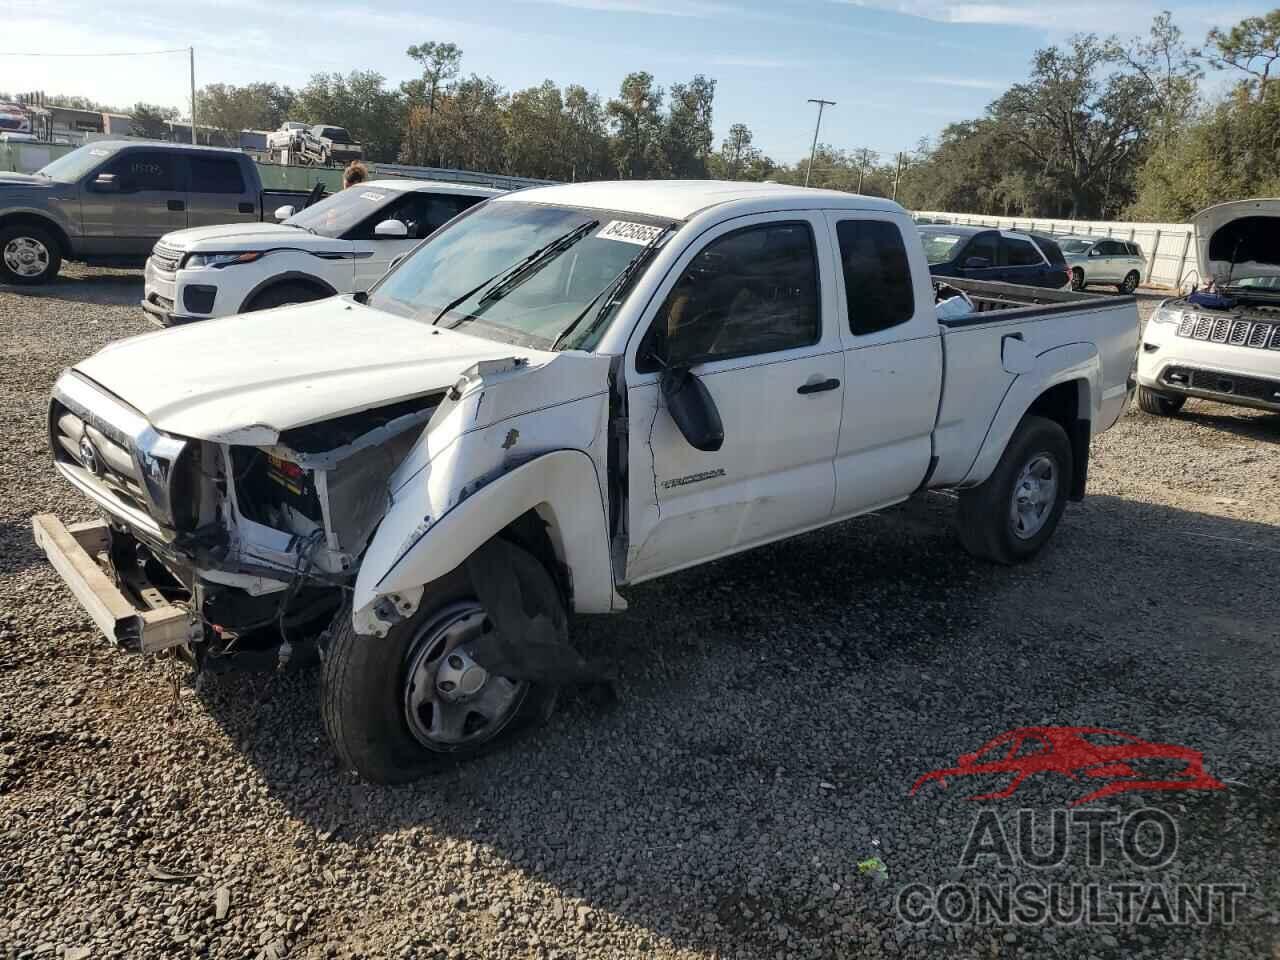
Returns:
<point x="1101" y="128"/>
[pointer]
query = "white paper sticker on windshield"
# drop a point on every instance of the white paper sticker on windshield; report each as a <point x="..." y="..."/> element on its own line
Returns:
<point x="627" y="232"/>
<point x="370" y="195"/>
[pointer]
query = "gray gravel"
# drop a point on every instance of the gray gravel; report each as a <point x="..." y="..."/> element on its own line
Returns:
<point x="773" y="712"/>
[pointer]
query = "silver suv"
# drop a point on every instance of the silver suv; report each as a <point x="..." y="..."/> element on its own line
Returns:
<point x="1103" y="260"/>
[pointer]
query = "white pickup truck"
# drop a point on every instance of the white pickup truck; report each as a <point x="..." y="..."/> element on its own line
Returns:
<point x="565" y="391"/>
<point x="1223" y="342"/>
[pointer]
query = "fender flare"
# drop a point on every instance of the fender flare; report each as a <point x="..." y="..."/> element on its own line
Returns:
<point x="410" y="551"/>
<point x="1072" y="361"/>
<point x="289" y="276"/>
<point x="42" y="219"/>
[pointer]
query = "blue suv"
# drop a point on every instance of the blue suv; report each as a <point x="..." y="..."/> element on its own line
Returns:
<point x="983" y="253"/>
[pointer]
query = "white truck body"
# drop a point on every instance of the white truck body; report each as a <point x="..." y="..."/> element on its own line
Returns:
<point x="332" y="247"/>
<point x="1228" y="351"/>
<point x="424" y="445"/>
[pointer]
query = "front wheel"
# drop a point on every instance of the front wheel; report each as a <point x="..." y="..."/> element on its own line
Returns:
<point x="1159" y="404"/>
<point x="28" y="255"/>
<point x="1077" y="279"/>
<point x="399" y="706"/>
<point x="283" y="295"/>
<point x="1130" y="282"/>
<point x="1010" y="516"/>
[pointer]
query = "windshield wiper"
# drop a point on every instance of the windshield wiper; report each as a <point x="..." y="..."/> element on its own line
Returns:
<point x="618" y="283"/>
<point x="533" y="263"/>
<point x="518" y="272"/>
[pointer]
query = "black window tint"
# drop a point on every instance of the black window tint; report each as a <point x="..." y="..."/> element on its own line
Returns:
<point x="215" y="175"/>
<point x="984" y="246"/>
<point x="1109" y="248"/>
<point x="1052" y="252"/>
<point x="877" y="278"/>
<point x="1018" y="253"/>
<point x="751" y="291"/>
<point x="145" y="170"/>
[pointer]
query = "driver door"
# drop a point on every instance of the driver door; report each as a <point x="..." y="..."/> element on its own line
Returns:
<point x="752" y="305"/>
<point x="148" y="200"/>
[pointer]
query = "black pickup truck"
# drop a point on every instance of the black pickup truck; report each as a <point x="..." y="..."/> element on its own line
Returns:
<point x="109" y="201"/>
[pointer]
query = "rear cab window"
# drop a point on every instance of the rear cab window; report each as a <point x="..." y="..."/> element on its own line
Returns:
<point x="215" y="175"/>
<point x="877" y="276"/>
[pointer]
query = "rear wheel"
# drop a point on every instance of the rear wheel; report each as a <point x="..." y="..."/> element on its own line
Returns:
<point x="1159" y="404"/>
<point x="28" y="255"/>
<point x="399" y="706"/>
<point x="1130" y="282"/>
<point x="1077" y="279"/>
<point x="1009" y="517"/>
<point x="283" y="295"/>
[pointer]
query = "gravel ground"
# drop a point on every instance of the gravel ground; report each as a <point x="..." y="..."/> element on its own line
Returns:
<point x="774" y="710"/>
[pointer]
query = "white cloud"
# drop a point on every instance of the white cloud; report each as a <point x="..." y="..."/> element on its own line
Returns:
<point x="761" y="63"/>
<point x="968" y="83"/>
<point x="700" y="9"/>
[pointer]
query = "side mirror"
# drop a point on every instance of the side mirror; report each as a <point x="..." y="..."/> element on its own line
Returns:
<point x="1095" y="252"/>
<point x="106" y="183"/>
<point x="391" y="230"/>
<point x="285" y="212"/>
<point x="976" y="263"/>
<point x="692" y="408"/>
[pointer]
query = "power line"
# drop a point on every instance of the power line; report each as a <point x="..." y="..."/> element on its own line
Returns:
<point x="135" y="53"/>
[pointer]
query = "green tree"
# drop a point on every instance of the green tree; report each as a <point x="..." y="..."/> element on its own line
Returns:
<point x="359" y="101"/>
<point x="687" y="135"/>
<point x="1162" y="62"/>
<point x="636" y="117"/>
<point x="440" y="64"/>
<point x="586" y="134"/>
<point x="151" y="121"/>
<point x="1252" y="46"/>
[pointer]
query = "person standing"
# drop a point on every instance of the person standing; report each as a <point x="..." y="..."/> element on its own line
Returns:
<point x="355" y="172"/>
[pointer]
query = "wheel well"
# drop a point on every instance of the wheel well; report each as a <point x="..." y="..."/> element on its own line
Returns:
<point x="286" y="280"/>
<point x="533" y="533"/>
<point x="1066" y="404"/>
<point x="35" y="220"/>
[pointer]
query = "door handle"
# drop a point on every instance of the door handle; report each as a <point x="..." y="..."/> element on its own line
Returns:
<point x="818" y="386"/>
<point x="177" y="206"/>
<point x="246" y="208"/>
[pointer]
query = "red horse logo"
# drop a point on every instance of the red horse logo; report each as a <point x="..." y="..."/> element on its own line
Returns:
<point x="1081" y="754"/>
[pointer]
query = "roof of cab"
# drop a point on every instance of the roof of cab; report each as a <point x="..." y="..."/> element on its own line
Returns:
<point x="681" y="199"/>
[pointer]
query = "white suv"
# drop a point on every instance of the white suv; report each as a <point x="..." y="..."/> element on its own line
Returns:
<point x="340" y="245"/>
<point x="1222" y="343"/>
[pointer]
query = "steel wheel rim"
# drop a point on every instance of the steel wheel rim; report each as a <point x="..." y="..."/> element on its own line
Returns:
<point x="26" y="256"/>
<point x="1034" y="495"/>
<point x="450" y="702"/>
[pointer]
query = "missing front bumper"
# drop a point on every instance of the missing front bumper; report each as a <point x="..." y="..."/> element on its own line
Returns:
<point x="73" y="551"/>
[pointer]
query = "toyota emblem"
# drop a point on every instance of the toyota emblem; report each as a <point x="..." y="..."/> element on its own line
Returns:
<point x="89" y="456"/>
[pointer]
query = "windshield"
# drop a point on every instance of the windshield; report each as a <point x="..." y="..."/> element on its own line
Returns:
<point x="452" y="269"/>
<point x="74" y="165"/>
<point x="336" y="214"/>
<point x="940" y="247"/>
<point x="1075" y="245"/>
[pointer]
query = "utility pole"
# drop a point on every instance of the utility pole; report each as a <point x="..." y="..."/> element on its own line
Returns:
<point x="816" y="127"/>
<point x="897" y="176"/>
<point x="192" y="52"/>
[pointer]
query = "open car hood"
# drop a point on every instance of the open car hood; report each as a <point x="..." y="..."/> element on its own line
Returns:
<point x="243" y="379"/>
<point x="1249" y="231"/>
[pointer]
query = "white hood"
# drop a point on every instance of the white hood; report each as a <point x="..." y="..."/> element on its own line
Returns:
<point x="1209" y="221"/>
<point x="230" y="237"/>
<point x="247" y="377"/>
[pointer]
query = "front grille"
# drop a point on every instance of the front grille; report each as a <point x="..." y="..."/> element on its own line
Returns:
<point x="109" y="460"/>
<point x="166" y="259"/>
<point x="1223" y="384"/>
<point x="1235" y="332"/>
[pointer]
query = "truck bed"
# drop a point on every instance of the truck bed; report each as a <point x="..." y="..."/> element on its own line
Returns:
<point x="1017" y="302"/>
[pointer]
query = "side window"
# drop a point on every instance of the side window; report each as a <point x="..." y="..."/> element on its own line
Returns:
<point x="877" y="278"/>
<point x="1109" y="248"/>
<point x="440" y="209"/>
<point x="215" y="175"/>
<point x="1018" y="253"/>
<point x="984" y="246"/>
<point x="145" y="170"/>
<point x="751" y="291"/>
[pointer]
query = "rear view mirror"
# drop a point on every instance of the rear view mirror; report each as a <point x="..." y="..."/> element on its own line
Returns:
<point x="285" y="212"/>
<point x="391" y="230"/>
<point x="692" y="408"/>
<point x="977" y="263"/>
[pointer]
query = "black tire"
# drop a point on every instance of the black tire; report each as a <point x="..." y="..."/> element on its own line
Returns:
<point x="1159" y="404"/>
<point x="984" y="518"/>
<point x="282" y="295"/>
<point x="1077" y="279"/>
<point x="363" y="684"/>
<point x="46" y="245"/>
<point x="1130" y="282"/>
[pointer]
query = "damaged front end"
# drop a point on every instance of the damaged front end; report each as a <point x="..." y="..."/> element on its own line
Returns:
<point x="244" y="544"/>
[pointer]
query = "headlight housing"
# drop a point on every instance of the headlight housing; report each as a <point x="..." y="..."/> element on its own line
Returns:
<point x="1167" y="314"/>
<point x="216" y="261"/>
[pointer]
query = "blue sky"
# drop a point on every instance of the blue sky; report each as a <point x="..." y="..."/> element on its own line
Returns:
<point x="898" y="69"/>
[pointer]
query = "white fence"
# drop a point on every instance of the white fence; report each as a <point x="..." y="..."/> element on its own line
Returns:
<point x="1167" y="246"/>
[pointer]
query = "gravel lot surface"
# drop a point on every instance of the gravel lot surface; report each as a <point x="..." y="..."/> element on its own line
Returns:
<point x="774" y="711"/>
